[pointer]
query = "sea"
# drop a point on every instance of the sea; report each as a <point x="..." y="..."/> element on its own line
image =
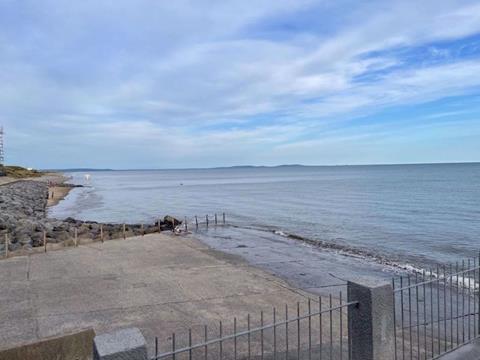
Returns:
<point x="373" y="219"/>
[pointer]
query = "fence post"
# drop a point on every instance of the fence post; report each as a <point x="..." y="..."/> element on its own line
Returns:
<point x="223" y="215"/>
<point x="206" y="219"/>
<point x="6" y="245"/>
<point x="75" y="241"/>
<point x="101" y="232"/>
<point x="370" y="322"/>
<point x="215" y="219"/>
<point x="142" y="230"/>
<point x="45" y="240"/>
<point x="186" y="226"/>
<point x="196" y="221"/>
<point x="123" y="230"/>
<point x="159" y="228"/>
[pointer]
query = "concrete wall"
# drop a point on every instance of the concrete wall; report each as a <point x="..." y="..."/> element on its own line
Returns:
<point x="78" y="346"/>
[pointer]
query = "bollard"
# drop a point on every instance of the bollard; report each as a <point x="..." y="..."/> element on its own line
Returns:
<point x="223" y="218"/>
<point x="159" y="228"/>
<point x="45" y="240"/>
<point x="215" y="219"/>
<point x="124" y="235"/>
<point x="6" y="245"/>
<point x="370" y="322"/>
<point x="196" y="222"/>
<point x="75" y="239"/>
<point x="186" y="226"/>
<point x="101" y="232"/>
<point x="206" y="218"/>
<point x="142" y="230"/>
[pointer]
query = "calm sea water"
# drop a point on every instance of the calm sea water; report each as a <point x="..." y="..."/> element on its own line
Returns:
<point x="415" y="214"/>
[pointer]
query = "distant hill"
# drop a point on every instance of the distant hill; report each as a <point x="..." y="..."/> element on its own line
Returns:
<point x="20" y="172"/>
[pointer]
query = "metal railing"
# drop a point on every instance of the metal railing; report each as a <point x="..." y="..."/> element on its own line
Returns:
<point x="319" y="331"/>
<point x="436" y="311"/>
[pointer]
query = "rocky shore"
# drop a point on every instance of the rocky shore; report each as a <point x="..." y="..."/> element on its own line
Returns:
<point x="23" y="217"/>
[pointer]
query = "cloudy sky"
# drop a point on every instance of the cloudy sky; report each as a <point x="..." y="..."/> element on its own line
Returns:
<point x="171" y="84"/>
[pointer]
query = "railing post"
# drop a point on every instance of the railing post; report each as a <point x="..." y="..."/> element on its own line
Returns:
<point x="6" y="246"/>
<point x="370" y="322"/>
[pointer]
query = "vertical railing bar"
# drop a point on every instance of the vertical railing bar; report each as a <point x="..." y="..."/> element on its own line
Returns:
<point x="286" y="331"/>
<point x="341" y="328"/>
<point x="331" y="326"/>
<point x="173" y="346"/>
<point x="402" y="318"/>
<point x="248" y="337"/>
<point x="456" y="272"/>
<point x="431" y="314"/>
<point x="418" y="315"/>
<point x="298" y="330"/>
<point x="261" y="333"/>
<point x="474" y="297"/>
<point x="205" y="338"/>
<point x="274" y="334"/>
<point x="424" y="314"/>
<point x="463" y="301"/>
<point x="394" y="321"/>
<point x="235" y="338"/>
<point x="410" y="316"/>
<point x="451" y="306"/>
<point x="190" y="344"/>
<point x="320" y="325"/>
<point x="445" y="309"/>
<point x="221" y="342"/>
<point x="439" y="327"/>
<point x="156" y="348"/>
<point x="469" y="301"/>
<point x="309" y="329"/>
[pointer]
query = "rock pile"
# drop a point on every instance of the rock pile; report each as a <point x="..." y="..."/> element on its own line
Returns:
<point x="23" y="217"/>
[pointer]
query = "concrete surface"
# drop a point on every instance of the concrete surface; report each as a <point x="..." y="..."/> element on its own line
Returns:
<point x="470" y="351"/>
<point x="76" y="346"/>
<point x="120" y="345"/>
<point x="159" y="283"/>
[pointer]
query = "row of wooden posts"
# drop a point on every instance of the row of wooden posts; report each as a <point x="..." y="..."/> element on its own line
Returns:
<point x="75" y="239"/>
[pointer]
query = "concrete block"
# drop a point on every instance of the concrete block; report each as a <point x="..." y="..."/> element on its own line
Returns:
<point x="120" y="345"/>
<point x="370" y="323"/>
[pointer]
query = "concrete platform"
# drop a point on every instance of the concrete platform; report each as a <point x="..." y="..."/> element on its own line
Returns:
<point x="160" y="283"/>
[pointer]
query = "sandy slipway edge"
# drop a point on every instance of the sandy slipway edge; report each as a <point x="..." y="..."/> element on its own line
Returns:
<point x="23" y="217"/>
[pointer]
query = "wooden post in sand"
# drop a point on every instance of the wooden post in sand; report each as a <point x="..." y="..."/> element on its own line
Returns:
<point x="186" y="226"/>
<point x="215" y="219"/>
<point x="75" y="239"/>
<point x="124" y="235"/>
<point x="196" y="222"/>
<point x="173" y="224"/>
<point x="45" y="240"/>
<point x="206" y="219"/>
<point x="6" y="245"/>
<point x="223" y="218"/>
<point x="142" y="229"/>
<point x="101" y="232"/>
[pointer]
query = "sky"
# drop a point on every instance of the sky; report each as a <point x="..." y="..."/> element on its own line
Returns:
<point x="179" y="84"/>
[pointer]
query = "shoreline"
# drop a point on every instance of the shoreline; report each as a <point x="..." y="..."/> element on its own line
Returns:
<point x="24" y="221"/>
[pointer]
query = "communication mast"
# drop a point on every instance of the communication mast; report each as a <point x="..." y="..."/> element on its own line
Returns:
<point x="2" y="159"/>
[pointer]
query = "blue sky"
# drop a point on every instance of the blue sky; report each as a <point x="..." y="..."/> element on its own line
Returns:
<point x="157" y="84"/>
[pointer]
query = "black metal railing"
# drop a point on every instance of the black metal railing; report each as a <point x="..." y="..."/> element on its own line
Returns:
<point x="318" y="330"/>
<point x="437" y="310"/>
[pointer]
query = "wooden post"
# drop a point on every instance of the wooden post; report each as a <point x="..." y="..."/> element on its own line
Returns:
<point x="6" y="245"/>
<point x="101" y="232"/>
<point x="215" y="219"/>
<point x="45" y="240"/>
<point x="75" y="239"/>
<point x="223" y="218"/>
<point x="196" y="222"/>
<point x="173" y="224"/>
<point x="186" y="226"/>
<point x="124" y="229"/>
<point x="142" y="230"/>
<point x="206" y="219"/>
<point x="159" y="228"/>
